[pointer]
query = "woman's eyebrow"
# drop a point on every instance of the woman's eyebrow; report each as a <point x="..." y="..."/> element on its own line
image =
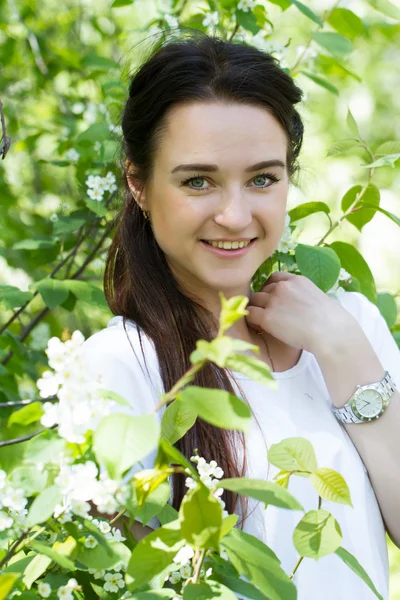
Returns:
<point x="201" y="167"/>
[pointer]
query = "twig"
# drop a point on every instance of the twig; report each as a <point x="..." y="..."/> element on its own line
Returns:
<point x="5" y="142"/>
<point x="13" y="548"/>
<point x="24" y="334"/>
<point x="234" y="32"/>
<point x="24" y="438"/>
<point x="26" y="402"/>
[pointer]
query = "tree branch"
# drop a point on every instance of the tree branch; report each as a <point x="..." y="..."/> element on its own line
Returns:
<point x="5" y="141"/>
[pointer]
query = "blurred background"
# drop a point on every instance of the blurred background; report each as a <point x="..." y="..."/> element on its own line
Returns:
<point x="63" y="78"/>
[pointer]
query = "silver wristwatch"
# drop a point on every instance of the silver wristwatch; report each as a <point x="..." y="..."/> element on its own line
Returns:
<point x="367" y="403"/>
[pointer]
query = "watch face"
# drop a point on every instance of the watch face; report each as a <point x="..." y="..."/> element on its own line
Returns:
<point x="369" y="403"/>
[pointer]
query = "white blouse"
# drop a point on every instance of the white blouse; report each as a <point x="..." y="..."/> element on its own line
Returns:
<point x="300" y="407"/>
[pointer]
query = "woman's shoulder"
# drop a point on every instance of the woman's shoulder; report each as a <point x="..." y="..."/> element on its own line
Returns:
<point x="122" y="351"/>
<point x="362" y="309"/>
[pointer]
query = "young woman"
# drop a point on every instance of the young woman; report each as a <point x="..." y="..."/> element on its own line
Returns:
<point x="211" y="139"/>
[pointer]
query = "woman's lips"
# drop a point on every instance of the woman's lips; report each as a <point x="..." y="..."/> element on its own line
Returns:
<point x="222" y="253"/>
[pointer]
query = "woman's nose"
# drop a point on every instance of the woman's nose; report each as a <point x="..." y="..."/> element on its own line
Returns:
<point x="235" y="213"/>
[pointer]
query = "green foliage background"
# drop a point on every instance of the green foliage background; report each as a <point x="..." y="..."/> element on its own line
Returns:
<point x="63" y="76"/>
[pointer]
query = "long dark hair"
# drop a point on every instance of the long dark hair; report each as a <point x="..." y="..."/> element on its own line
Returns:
<point x="138" y="282"/>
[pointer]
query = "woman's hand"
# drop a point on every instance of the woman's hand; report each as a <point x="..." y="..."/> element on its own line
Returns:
<point x="294" y="310"/>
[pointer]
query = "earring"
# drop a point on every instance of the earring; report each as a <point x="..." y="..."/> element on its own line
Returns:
<point x="146" y="214"/>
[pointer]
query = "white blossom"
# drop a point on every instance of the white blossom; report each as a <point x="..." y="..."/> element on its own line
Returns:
<point x="104" y="527"/>
<point x="122" y="566"/>
<point x="185" y="571"/>
<point x="72" y="155"/>
<point x="113" y="581"/>
<point x="171" y="21"/>
<point x="211" y="19"/>
<point x="65" y="593"/>
<point x="117" y="535"/>
<point x="175" y="577"/>
<point x="97" y="573"/>
<point x="5" y="521"/>
<point x="155" y="30"/>
<point x="90" y="542"/>
<point x="44" y="589"/>
<point x="78" y="108"/>
<point x="343" y="276"/>
<point x="286" y="243"/>
<point x="3" y="479"/>
<point x="184" y="555"/>
<point x="246" y="5"/>
<point x="13" y="498"/>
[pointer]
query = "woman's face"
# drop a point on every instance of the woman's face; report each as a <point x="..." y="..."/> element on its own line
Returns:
<point x="230" y="197"/>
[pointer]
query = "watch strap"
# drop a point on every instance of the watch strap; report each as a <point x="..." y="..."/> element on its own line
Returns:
<point x="385" y="387"/>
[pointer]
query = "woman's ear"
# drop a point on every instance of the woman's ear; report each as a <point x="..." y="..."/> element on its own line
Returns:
<point x="135" y="185"/>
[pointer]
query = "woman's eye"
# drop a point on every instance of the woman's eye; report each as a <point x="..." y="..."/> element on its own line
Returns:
<point x="191" y="182"/>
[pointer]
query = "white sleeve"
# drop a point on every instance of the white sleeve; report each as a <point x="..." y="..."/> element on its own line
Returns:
<point x="110" y="354"/>
<point x="376" y="330"/>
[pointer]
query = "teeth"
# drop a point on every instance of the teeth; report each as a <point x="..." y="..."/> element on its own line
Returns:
<point x="229" y="245"/>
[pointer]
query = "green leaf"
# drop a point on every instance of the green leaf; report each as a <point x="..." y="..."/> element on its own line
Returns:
<point x="361" y="215"/>
<point x="176" y="421"/>
<point x="352" y="124"/>
<point x="258" y="563"/>
<point x="28" y="478"/>
<point x="12" y="297"/>
<point x="322" y="82"/>
<point x="217" y="407"/>
<point x="353" y="262"/>
<point x="385" y="161"/>
<point x="155" y="502"/>
<point x="321" y="265"/>
<point x="26" y="415"/>
<point x="60" y="559"/>
<point x="388" y="214"/>
<point x="228" y="523"/>
<point x="336" y="44"/>
<point x="97" y="207"/>
<point x="317" y="534"/>
<point x="392" y="147"/>
<point x="42" y="508"/>
<point x="99" y="62"/>
<point x="346" y="22"/>
<point x="118" y="3"/>
<point x="257" y="369"/>
<point x="355" y="566"/>
<point x="153" y="595"/>
<point x="330" y="485"/>
<point x="388" y="308"/>
<point x="283" y="4"/>
<point x="53" y="291"/>
<point x="104" y="556"/>
<point x="168" y="454"/>
<point x="306" y="209"/>
<point x="265" y="491"/>
<point x="216" y="351"/>
<point x="200" y="516"/>
<point x="98" y="132"/>
<point x="6" y="584"/>
<point x="232" y="310"/>
<point x="153" y="553"/>
<point x="204" y="591"/>
<point x="386" y="7"/>
<point x="248" y="21"/>
<point x="68" y="224"/>
<point x="36" y="244"/>
<point x="133" y="439"/>
<point x="307" y="12"/>
<point x="342" y="146"/>
<point x="35" y="569"/>
<point x="86" y="292"/>
<point x="293" y="454"/>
